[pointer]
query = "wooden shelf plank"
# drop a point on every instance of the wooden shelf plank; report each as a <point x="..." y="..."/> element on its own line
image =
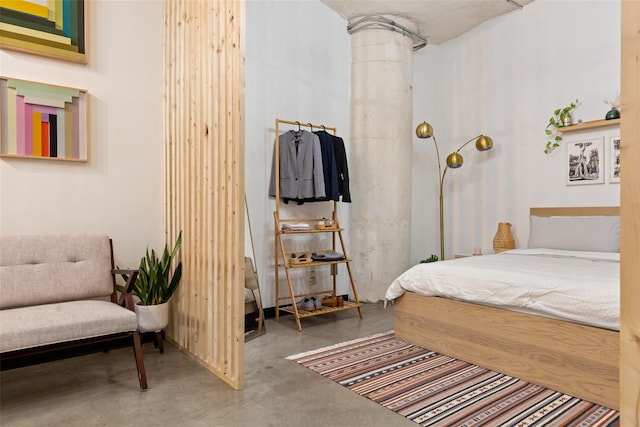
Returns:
<point x="594" y="124"/>
<point x="312" y="230"/>
<point x="316" y="263"/>
<point x="322" y="310"/>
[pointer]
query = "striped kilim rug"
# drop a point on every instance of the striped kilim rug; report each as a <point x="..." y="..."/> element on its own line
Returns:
<point x="435" y="390"/>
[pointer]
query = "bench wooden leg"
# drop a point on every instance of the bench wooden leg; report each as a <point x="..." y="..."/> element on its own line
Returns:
<point x="137" y="350"/>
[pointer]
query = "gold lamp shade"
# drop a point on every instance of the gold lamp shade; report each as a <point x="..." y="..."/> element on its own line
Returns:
<point x="484" y="143"/>
<point x="424" y="130"/>
<point x="454" y="160"/>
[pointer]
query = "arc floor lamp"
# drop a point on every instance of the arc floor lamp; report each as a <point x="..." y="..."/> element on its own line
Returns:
<point x="454" y="161"/>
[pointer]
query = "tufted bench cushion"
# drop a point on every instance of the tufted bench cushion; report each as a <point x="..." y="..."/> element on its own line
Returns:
<point x="48" y="324"/>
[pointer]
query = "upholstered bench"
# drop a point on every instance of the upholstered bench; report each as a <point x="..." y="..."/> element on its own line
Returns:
<point x="60" y="291"/>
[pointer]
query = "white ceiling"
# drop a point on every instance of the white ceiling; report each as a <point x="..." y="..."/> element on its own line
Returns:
<point x="437" y="20"/>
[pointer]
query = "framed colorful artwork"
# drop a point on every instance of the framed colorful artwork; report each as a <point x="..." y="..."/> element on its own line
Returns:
<point x="614" y="159"/>
<point x="42" y="121"/>
<point x="52" y="28"/>
<point x="585" y="161"/>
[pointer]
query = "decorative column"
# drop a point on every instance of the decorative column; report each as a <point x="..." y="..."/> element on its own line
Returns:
<point x="380" y="156"/>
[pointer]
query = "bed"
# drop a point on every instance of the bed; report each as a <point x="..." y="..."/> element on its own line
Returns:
<point x="573" y="355"/>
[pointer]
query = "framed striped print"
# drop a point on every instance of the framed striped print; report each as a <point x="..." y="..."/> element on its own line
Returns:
<point x="42" y="121"/>
<point x="52" y="28"/>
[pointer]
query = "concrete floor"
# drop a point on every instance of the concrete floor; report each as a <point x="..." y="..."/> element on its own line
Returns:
<point x="102" y="389"/>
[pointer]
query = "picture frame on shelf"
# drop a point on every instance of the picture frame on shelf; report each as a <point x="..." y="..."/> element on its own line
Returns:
<point x="42" y="121"/>
<point x="614" y="159"/>
<point x="54" y="29"/>
<point x="585" y="162"/>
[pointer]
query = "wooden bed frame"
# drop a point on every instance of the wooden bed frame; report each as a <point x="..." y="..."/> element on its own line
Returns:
<point x="578" y="360"/>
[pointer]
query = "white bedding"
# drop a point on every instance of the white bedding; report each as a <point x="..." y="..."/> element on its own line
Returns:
<point x="582" y="287"/>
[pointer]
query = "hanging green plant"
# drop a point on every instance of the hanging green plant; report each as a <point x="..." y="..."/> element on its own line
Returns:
<point x="560" y="118"/>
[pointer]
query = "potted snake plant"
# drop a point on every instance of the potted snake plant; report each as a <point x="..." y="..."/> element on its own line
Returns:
<point x="154" y="286"/>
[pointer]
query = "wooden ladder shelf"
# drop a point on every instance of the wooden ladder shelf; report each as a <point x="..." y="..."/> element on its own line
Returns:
<point x="289" y="260"/>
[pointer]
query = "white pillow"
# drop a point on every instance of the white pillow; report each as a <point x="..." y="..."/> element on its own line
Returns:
<point x="581" y="233"/>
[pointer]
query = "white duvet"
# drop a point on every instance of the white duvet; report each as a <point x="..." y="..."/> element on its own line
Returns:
<point x="582" y="287"/>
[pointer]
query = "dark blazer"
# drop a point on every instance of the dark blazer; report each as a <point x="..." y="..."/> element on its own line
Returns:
<point x="342" y="167"/>
<point x="329" y="169"/>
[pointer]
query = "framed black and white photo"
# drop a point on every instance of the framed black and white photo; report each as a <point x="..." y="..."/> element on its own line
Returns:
<point x="585" y="161"/>
<point x="614" y="159"/>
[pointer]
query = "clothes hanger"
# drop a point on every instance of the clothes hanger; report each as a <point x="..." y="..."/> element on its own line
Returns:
<point x="311" y="126"/>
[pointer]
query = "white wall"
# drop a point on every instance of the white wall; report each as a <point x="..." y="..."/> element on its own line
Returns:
<point x="119" y="191"/>
<point x="297" y="68"/>
<point x="504" y="79"/>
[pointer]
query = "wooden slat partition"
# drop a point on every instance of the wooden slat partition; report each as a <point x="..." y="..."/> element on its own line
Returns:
<point x="630" y="216"/>
<point x="204" y="188"/>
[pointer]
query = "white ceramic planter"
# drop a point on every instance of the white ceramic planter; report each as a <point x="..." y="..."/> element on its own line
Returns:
<point x="152" y="318"/>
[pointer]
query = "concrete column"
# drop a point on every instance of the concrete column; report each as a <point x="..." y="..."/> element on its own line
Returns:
<point x="380" y="157"/>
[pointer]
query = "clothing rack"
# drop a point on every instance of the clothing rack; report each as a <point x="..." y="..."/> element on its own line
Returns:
<point x="284" y="259"/>
<point x="277" y="148"/>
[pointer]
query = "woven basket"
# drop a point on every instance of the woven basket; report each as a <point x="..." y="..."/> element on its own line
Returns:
<point x="503" y="239"/>
<point x="300" y="260"/>
<point x="325" y="226"/>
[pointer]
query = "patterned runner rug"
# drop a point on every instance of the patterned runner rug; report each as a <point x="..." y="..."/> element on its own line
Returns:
<point x="435" y="390"/>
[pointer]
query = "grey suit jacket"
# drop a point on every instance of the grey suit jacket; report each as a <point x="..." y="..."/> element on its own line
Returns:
<point x="301" y="175"/>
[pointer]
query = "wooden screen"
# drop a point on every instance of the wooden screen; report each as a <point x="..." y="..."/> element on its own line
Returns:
<point x="629" y="217"/>
<point x="204" y="169"/>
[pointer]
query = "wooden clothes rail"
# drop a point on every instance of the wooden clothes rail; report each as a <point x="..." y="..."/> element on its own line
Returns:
<point x="283" y="258"/>
<point x="308" y="125"/>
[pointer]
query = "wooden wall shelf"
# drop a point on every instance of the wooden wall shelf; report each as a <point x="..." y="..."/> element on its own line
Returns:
<point x="589" y="125"/>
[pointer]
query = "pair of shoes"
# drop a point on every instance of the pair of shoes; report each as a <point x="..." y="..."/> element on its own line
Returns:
<point x="309" y="304"/>
<point x="306" y="304"/>
<point x="332" y="301"/>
